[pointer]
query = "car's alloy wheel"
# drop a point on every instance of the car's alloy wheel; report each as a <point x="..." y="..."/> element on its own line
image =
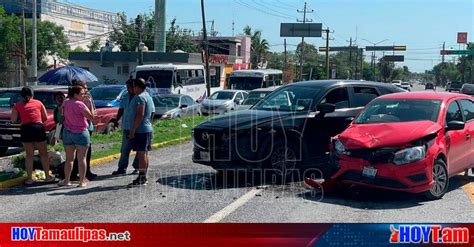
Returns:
<point x="440" y="181"/>
<point x="283" y="161"/>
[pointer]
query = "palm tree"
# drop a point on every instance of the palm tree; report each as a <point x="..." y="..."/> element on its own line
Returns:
<point x="259" y="47"/>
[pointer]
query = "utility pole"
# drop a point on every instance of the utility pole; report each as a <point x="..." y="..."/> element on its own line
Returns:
<point x="327" y="53"/>
<point x="34" y="53"/>
<point x="350" y="56"/>
<point x="361" y="63"/>
<point x="304" y="11"/>
<point x="233" y="28"/>
<point x="138" y="26"/>
<point x="444" y="47"/>
<point x="286" y="55"/>
<point x="23" y="41"/>
<point x="206" y="49"/>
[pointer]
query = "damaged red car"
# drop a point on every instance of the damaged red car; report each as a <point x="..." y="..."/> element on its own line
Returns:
<point x="411" y="142"/>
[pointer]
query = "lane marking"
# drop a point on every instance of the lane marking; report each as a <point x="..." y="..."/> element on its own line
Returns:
<point x="469" y="189"/>
<point x="233" y="206"/>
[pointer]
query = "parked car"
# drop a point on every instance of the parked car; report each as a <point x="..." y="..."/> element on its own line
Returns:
<point x="10" y="133"/>
<point x="397" y="83"/>
<point x="406" y="85"/>
<point x="255" y="96"/>
<point x="467" y="89"/>
<point x="223" y="101"/>
<point x="454" y="86"/>
<point x="173" y="106"/>
<point x="288" y="129"/>
<point x="108" y="95"/>
<point x="411" y="142"/>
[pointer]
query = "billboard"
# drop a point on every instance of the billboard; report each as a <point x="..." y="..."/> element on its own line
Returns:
<point x="301" y="29"/>
<point x="462" y="37"/>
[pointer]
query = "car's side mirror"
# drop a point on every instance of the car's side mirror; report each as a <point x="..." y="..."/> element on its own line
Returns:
<point x="455" y="125"/>
<point x="183" y="106"/>
<point x="325" y="108"/>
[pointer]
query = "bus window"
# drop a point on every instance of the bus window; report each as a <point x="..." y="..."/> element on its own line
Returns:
<point x="157" y="78"/>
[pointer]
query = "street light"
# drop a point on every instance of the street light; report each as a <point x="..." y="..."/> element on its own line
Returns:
<point x="372" y="61"/>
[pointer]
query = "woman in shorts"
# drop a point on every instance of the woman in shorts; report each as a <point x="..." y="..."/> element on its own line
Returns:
<point x="76" y="138"/>
<point x="32" y="115"/>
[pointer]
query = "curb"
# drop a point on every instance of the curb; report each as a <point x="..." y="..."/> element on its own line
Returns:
<point x="96" y="162"/>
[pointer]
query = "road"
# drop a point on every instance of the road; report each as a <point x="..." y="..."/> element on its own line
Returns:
<point x="180" y="191"/>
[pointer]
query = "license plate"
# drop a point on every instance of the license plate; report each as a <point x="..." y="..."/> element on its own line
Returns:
<point x="7" y="137"/>
<point x="205" y="156"/>
<point x="369" y="172"/>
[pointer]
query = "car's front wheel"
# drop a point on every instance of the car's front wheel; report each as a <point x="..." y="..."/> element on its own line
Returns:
<point x="283" y="161"/>
<point x="440" y="181"/>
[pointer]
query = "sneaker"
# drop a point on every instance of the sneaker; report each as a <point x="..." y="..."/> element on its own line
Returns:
<point x="135" y="172"/>
<point x="141" y="180"/>
<point x="119" y="172"/>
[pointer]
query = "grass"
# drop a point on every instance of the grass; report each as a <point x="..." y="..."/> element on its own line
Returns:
<point x="163" y="131"/>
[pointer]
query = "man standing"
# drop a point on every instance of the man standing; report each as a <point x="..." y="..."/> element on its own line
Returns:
<point x="140" y="134"/>
<point x="126" y="148"/>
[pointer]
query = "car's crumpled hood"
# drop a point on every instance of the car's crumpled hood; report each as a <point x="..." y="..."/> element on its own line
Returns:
<point x="360" y="136"/>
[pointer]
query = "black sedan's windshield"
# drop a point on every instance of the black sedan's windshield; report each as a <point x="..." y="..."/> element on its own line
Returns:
<point x="291" y="98"/>
<point x="399" y="110"/>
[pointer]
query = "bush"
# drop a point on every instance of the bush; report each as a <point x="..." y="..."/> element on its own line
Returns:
<point x="19" y="161"/>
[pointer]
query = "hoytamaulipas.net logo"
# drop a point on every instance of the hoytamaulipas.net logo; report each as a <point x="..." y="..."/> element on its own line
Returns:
<point x="429" y="234"/>
<point x="74" y="234"/>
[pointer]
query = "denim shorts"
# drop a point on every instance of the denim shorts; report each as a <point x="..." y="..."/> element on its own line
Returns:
<point x="76" y="139"/>
<point x="141" y="142"/>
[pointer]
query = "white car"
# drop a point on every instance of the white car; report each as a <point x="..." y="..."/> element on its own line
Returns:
<point x="223" y="101"/>
<point x="255" y="96"/>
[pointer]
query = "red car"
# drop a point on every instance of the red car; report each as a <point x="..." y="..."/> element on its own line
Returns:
<point x="411" y="142"/>
<point x="10" y="133"/>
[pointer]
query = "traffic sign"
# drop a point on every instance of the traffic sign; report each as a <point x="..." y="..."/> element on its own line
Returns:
<point x="339" y="48"/>
<point x="457" y="52"/>
<point x="301" y="29"/>
<point x="462" y="38"/>
<point x="386" y="48"/>
<point x="394" y="58"/>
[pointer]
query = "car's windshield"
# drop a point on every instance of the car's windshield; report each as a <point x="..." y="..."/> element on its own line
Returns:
<point x="166" y="101"/>
<point x="106" y="93"/>
<point x="222" y="95"/>
<point x="291" y="98"/>
<point x="245" y="83"/>
<point x="255" y="97"/>
<point x="9" y="98"/>
<point x="399" y="110"/>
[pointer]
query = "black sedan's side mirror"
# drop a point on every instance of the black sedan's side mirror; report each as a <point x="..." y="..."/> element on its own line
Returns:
<point x="325" y="108"/>
<point x="455" y="125"/>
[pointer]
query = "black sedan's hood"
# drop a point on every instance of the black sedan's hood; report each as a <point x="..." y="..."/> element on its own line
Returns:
<point x="243" y="119"/>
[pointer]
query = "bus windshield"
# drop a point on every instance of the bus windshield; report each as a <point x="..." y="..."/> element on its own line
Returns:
<point x="157" y="78"/>
<point x="245" y="83"/>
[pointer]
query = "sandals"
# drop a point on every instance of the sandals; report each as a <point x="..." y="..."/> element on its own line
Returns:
<point x="29" y="182"/>
<point x="82" y="185"/>
<point x="63" y="183"/>
<point x="50" y="179"/>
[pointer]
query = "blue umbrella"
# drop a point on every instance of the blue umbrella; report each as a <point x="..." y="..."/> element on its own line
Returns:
<point x="65" y="75"/>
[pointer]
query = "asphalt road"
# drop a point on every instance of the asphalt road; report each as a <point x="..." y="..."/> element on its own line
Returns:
<point x="180" y="191"/>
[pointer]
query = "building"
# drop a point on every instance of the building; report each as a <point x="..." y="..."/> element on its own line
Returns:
<point x="81" y="24"/>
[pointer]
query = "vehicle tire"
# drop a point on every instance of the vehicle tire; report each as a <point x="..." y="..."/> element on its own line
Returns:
<point x="3" y="151"/>
<point x="441" y="181"/>
<point x="110" y="128"/>
<point x="282" y="162"/>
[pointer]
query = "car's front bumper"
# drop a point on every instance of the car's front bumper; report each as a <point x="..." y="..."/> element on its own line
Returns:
<point x="413" y="178"/>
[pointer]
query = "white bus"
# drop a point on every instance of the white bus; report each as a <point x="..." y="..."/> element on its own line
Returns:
<point x="174" y="78"/>
<point x="253" y="79"/>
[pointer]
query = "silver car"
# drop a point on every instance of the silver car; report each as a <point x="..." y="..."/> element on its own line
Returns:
<point x="223" y="101"/>
<point x="255" y="96"/>
<point x="171" y="106"/>
<point x="467" y="89"/>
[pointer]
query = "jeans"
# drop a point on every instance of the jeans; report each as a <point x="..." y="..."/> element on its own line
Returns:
<point x="125" y="153"/>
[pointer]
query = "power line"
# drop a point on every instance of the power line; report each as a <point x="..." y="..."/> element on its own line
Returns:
<point x="268" y="8"/>
<point x="240" y="2"/>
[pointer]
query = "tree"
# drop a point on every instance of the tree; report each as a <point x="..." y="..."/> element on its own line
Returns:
<point x="386" y="69"/>
<point x="79" y="49"/>
<point x="51" y="40"/>
<point x="94" y="45"/>
<point x="178" y="38"/>
<point x="259" y="47"/>
<point x="124" y="34"/>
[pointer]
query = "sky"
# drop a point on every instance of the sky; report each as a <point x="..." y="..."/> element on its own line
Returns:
<point x="421" y="25"/>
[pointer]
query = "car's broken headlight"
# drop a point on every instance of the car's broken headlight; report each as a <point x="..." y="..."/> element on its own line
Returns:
<point x="409" y="155"/>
